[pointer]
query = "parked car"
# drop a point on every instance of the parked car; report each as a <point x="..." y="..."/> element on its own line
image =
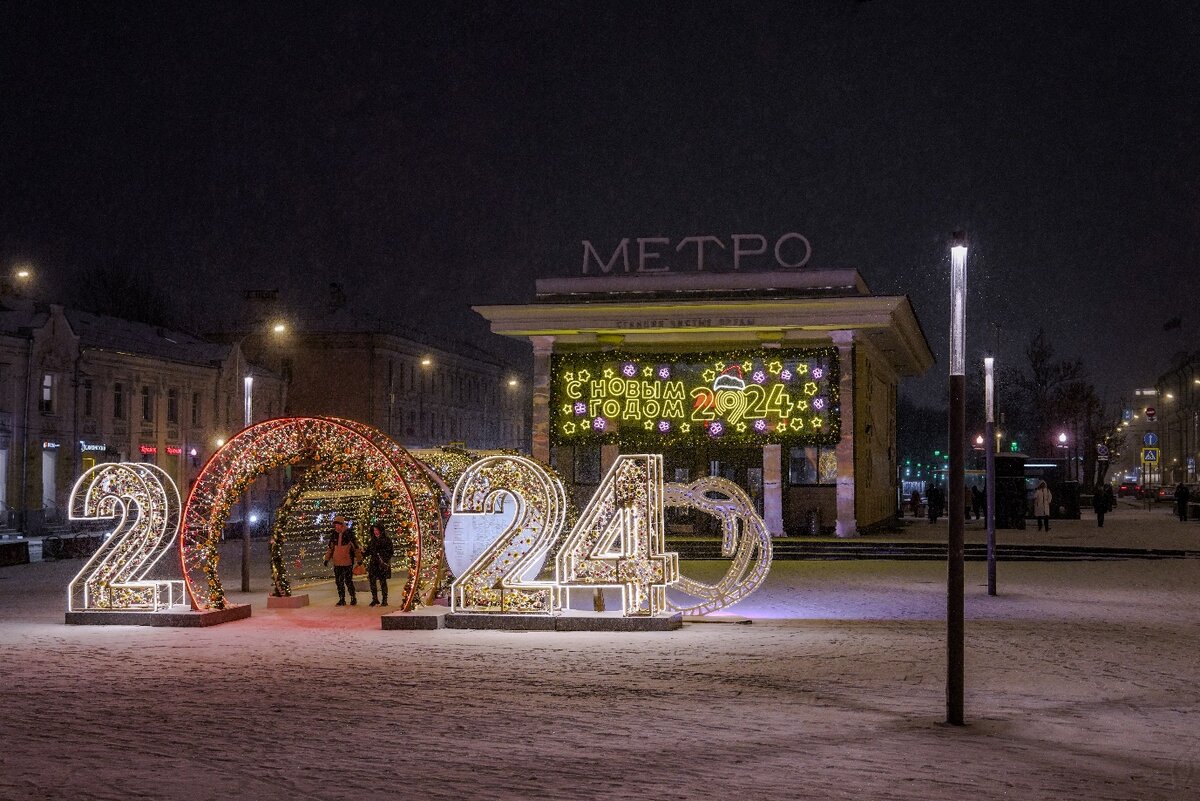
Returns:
<point x="1165" y="492"/>
<point x="1129" y="488"/>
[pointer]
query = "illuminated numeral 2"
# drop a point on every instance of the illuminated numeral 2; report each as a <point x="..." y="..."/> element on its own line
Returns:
<point x="145" y="502"/>
<point x="517" y="496"/>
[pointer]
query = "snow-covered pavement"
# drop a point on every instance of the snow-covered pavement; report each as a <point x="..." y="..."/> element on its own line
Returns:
<point x="1082" y="682"/>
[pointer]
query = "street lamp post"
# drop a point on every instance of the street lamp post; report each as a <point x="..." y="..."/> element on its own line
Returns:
<point x="957" y="481"/>
<point x="989" y="402"/>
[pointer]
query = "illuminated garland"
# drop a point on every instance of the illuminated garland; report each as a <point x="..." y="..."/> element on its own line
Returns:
<point x="744" y="538"/>
<point x="619" y="539"/>
<point x="751" y="396"/>
<point x="304" y="520"/>
<point x="396" y="479"/>
<point x="144" y="502"/>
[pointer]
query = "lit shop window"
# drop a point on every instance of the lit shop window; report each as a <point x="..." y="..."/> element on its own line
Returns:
<point x="812" y="466"/>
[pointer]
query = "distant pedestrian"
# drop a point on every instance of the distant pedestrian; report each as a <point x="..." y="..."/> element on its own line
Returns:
<point x="934" y="500"/>
<point x="378" y="556"/>
<point x="1041" y="505"/>
<point x="1099" y="506"/>
<point x="977" y="499"/>
<point x="1110" y="498"/>
<point x="915" y="500"/>
<point x="1182" y="496"/>
<point x="342" y="549"/>
<point x="968" y="504"/>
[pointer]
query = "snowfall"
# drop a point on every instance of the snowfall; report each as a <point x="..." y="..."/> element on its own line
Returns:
<point x="1081" y="682"/>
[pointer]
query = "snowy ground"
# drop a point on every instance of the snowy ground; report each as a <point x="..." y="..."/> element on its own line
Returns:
<point x="1082" y="682"/>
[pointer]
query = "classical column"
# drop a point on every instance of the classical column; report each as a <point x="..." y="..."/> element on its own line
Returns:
<point x="542" y="348"/>
<point x="773" y="489"/>
<point x="847" y="526"/>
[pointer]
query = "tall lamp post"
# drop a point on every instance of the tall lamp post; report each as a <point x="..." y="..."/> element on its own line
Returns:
<point x="989" y="402"/>
<point x="957" y="480"/>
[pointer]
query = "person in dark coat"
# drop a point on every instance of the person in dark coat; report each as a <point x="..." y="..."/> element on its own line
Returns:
<point x="1182" y="496"/>
<point x="934" y="499"/>
<point x="1110" y="498"/>
<point x="1100" y="506"/>
<point x="915" y="500"/>
<point x="977" y="499"/>
<point x="378" y="556"/>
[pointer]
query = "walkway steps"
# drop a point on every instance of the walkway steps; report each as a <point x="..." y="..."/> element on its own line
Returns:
<point x="792" y="549"/>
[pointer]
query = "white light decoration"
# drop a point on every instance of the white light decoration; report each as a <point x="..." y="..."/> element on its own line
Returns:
<point x="744" y="538"/>
<point x="144" y="502"/>
<point x="619" y="539"/>
<point x="958" y="304"/>
<point x="506" y="514"/>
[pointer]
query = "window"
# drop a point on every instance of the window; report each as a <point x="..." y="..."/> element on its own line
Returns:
<point x="812" y="466"/>
<point x="118" y="401"/>
<point x="46" y="401"/>
<point x="196" y="409"/>
<point x="147" y="405"/>
<point x="172" y="406"/>
<point x="87" y="398"/>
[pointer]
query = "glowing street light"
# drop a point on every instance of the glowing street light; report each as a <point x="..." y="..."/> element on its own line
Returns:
<point x="279" y="328"/>
<point x="989" y="404"/>
<point x="956" y="481"/>
<point x="512" y="382"/>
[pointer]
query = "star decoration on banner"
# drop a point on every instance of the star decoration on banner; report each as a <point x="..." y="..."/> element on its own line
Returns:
<point x="741" y="426"/>
<point x="747" y="366"/>
<point x="566" y="408"/>
<point x="648" y="425"/>
<point x="817" y="422"/>
<point x="584" y="375"/>
<point x="774" y="367"/>
<point x="648" y="372"/>
<point x="708" y="375"/>
<point x="608" y="373"/>
<point x="685" y="427"/>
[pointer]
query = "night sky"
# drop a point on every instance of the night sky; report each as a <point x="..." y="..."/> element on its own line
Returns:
<point x="430" y="156"/>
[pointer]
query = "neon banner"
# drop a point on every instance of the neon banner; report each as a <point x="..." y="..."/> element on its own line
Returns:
<point x="747" y="397"/>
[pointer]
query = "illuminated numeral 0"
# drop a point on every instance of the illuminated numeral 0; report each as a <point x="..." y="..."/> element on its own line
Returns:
<point x="145" y="503"/>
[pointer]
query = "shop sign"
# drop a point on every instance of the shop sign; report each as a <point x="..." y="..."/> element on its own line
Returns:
<point x="173" y="450"/>
<point x="148" y="450"/>
<point x="47" y="445"/>
<point x="86" y="446"/>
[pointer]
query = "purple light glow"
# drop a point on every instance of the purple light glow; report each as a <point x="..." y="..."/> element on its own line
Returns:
<point x="599" y="424"/>
<point x="786" y="375"/>
<point x="664" y="372"/>
<point x="818" y="403"/>
<point x="629" y="369"/>
<point x="759" y="377"/>
<point x="760" y="425"/>
<point x="664" y="426"/>
<point x="716" y="429"/>
<point x="818" y="373"/>
<point x="580" y="408"/>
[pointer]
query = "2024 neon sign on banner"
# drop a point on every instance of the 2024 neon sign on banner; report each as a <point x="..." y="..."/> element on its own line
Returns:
<point x="508" y="514"/>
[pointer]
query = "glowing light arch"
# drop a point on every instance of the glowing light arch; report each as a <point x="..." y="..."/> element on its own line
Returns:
<point x="354" y="447"/>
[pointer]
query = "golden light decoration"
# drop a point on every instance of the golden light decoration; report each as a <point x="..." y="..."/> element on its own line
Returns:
<point x="744" y="538"/>
<point x="619" y="539"/>
<point x="506" y="514"/>
<point x="394" y="476"/>
<point x="143" y="502"/>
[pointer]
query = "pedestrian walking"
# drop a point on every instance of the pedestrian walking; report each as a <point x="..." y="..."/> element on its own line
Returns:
<point x="977" y="499"/>
<point x="1110" y="498"/>
<point x="1182" y="496"/>
<point x="378" y="556"/>
<point x="934" y="499"/>
<point x="915" y="500"/>
<point x="1099" y="506"/>
<point x="342" y="549"/>
<point x="1041" y="505"/>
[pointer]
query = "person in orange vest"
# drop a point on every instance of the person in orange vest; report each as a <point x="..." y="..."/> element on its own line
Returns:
<point x="342" y="549"/>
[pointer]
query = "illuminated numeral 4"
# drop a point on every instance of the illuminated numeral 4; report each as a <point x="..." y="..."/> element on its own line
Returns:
<point x="779" y="402"/>
<point x="619" y="540"/>
<point x="145" y="502"/>
<point x="517" y="496"/>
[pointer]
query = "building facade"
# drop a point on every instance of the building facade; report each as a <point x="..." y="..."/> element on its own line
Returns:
<point x="421" y="394"/>
<point x="1177" y="411"/>
<point x="77" y="389"/>
<point x="784" y="382"/>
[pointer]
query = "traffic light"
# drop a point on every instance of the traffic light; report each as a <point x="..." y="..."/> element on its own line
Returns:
<point x="1014" y="447"/>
